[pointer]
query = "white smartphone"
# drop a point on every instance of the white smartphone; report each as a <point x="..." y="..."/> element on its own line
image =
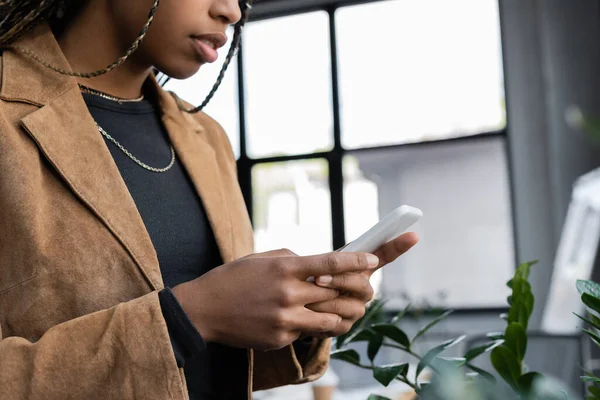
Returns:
<point x="389" y="227"/>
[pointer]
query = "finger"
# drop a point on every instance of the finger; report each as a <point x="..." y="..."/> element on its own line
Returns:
<point x="357" y="285"/>
<point x="346" y="307"/>
<point x="393" y="249"/>
<point x="310" y="321"/>
<point x="334" y="263"/>
<point x="308" y="293"/>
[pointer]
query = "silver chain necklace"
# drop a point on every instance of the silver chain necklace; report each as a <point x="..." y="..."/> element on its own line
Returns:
<point x="141" y="164"/>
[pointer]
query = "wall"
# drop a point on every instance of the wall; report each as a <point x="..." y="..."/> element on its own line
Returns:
<point x="551" y="62"/>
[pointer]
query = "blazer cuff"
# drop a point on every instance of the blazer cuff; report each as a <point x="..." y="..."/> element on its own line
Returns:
<point x="185" y="339"/>
<point x="303" y="348"/>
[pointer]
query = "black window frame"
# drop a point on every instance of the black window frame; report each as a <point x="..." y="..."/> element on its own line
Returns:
<point x="269" y="9"/>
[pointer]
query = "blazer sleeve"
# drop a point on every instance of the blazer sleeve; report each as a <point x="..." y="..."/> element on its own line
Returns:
<point x="119" y="353"/>
<point x="288" y="366"/>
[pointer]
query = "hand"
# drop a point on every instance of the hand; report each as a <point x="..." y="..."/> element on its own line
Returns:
<point x="393" y="249"/>
<point x="356" y="287"/>
<point x="350" y="306"/>
<point x="259" y="301"/>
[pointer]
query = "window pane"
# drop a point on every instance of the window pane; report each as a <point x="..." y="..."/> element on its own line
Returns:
<point x="224" y="105"/>
<point x="466" y="231"/>
<point x="288" y="85"/>
<point x="292" y="206"/>
<point x="419" y="70"/>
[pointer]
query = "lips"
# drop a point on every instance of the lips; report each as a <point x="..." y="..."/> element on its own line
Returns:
<point x="208" y="44"/>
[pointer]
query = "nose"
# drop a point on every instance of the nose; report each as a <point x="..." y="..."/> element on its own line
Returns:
<point x="227" y="11"/>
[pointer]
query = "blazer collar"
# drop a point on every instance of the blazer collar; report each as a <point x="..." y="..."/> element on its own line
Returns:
<point x="26" y="80"/>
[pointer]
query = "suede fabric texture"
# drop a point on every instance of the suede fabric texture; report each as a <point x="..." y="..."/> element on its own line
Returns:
<point x="79" y="276"/>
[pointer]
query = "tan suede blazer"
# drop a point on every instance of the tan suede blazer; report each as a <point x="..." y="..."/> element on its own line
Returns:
<point x="79" y="276"/>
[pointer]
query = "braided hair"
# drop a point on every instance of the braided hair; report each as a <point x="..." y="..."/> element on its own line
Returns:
<point x="19" y="16"/>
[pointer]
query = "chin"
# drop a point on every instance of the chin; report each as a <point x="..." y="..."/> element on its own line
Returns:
<point x="182" y="70"/>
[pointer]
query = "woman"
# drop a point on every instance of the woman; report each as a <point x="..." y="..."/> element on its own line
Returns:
<point x="125" y="247"/>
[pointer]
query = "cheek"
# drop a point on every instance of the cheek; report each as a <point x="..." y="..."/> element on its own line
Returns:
<point x="130" y="16"/>
<point x="168" y="45"/>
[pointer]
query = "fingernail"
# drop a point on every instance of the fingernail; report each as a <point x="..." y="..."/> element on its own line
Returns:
<point x="373" y="260"/>
<point x="325" y="279"/>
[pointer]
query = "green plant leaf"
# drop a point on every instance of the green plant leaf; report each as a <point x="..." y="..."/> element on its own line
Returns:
<point x="400" y="315"/>
<point x="591" y="301"/>
<point x="387" y="373"/>
<point x="392" y="332"/>
<point x="342" y="340"/>
<point x="374" y="346"/>
<point x="481" y="372"/>
<point x="506" y="364"/>
<point x="524" y="269"/>
<point x="364" y="335"/>
<point x="495" y="335"/>
<point x="373" y="310"/>
<point x="520" y="286"/>
<point x="451" y="361"/>
<point x="526" y="382"/>
<point x="523" y="302"/>
<point x="594" y="323"/>
<point x="529" y="302"/>
<point x="378" y="397"/>
<point x="509" y="283"/>
<point x="509" y="300"/>
<point x="477" y="351"/>
<point x="430" y="325"/>
<point x="595" y="390"/>
<point x="589" y="287"/>
<point x="518" y="314"/>
<point x="347" y="355"/>
<point x="593" y="335"/>
<point x="590" y="379"/>
<point x="516" y="340"/>
<point x="434" y="352"/>
<point x="594" y="319"/>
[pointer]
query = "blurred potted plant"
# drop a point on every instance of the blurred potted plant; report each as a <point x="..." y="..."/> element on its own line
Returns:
<point x="452" y="378"/>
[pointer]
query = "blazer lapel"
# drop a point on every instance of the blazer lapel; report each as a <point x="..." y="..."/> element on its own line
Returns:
<point x="67" y="135"/>
<point x="198" y="158"/>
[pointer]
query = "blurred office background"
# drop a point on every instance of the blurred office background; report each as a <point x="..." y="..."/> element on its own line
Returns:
<point x="340" y="110"/>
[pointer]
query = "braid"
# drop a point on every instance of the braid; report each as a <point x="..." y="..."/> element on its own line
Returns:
<point x="19" y="16"/>
<point x="134" y="46"/>
<point x="235" y="43"/>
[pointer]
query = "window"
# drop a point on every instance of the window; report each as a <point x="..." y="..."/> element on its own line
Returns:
<point x="413" y="71"/>
<point x="292" y="207"/>
<point x="288" y="85"/>
<point x="466" y="232"/>
<point x="352" y="110"/>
